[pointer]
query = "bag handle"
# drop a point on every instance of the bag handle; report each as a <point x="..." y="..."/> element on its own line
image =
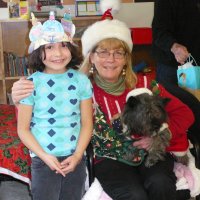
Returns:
<point x="191" y="58"/>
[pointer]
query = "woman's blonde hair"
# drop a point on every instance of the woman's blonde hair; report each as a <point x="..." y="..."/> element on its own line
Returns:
<point x="113" y="43"/>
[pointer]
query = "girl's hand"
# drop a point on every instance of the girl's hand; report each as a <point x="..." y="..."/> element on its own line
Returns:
<point x="143" y="143"/>
<point x="70" y="163"/>
<point x="53" y="163"/>
<point x="21" y="89"/>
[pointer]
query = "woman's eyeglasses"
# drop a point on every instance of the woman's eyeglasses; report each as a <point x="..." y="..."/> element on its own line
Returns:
<point x="106" y="54"/>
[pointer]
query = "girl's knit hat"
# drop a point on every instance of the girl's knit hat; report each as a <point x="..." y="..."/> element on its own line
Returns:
<point x="107" y="28"/>
<point x="51" y="31"/>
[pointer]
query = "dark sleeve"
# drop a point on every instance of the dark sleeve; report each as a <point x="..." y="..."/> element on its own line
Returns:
<point x="163" y="24"/>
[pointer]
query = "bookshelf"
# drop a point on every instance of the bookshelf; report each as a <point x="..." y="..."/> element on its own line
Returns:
<point x="14" y="39"/>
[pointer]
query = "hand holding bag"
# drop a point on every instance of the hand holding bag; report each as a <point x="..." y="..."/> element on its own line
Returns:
<point x="189" y="75"/>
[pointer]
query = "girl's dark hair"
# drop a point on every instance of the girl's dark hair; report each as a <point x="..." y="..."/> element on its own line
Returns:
<point x="35" y="58"/>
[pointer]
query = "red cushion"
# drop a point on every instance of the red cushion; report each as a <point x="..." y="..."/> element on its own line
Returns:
<point x="141" y="35"/>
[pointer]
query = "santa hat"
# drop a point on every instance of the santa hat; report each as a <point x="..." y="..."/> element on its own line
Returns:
<point x="137" y="92"/>
<point x="51" y="31"/>
<point x="106" y="28"/>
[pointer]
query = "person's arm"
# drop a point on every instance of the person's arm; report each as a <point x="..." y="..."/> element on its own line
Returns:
<point x="180" y="119"/>
<point x="71" y="162"/>
<point x="180" y="116"/>
<point x="23" y="126"/>
<point x="21" y="89"/>
<point x="86" y="127"/>
<point x="163" y="24"/>
<point x="163" y="27"/>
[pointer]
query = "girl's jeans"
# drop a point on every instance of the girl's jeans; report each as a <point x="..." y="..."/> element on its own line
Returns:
<point x="47" y="185"/>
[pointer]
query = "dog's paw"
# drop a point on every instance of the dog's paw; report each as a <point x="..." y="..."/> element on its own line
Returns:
<point x="150" y="162"/>
<point x="153" y="158"/>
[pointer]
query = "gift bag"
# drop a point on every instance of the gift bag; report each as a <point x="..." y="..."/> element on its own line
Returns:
<point x="189" y="74"/>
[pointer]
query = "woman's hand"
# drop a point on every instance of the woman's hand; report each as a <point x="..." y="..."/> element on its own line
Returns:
<point x="143" y="143"/>
<point x="70" y="163"/>
<point x="21" y="89"/>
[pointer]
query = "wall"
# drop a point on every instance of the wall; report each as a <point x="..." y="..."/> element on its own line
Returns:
<point x="134" y="14"/>
<point x="4" y="13"/>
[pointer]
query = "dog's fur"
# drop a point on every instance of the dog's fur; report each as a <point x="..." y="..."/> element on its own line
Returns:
<point x="145" y="115"/>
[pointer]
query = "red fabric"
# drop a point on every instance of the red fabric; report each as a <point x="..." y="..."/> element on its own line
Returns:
<point x="14" y="156"/>
<point x="180" y="116"/>
<point x="100" y="95"/>
<point x="141" y="35"/>
<point x="107" y="15"/>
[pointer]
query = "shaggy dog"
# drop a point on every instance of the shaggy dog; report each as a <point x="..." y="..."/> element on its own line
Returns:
<point x="145" y="115"/>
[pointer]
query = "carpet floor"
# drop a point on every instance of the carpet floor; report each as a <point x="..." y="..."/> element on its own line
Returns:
<point x="14" y="190"/>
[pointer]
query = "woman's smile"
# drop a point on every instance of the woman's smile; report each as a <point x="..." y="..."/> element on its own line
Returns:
<point x="111" y="68"/>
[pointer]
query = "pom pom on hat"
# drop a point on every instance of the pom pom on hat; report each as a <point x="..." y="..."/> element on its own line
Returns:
<point x="108" y="7"/>
<point x="110" y="4"/>
<point x="138" y="91"/>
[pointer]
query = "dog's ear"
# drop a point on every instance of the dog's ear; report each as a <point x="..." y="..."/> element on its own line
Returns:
<point x="132" y="101"/>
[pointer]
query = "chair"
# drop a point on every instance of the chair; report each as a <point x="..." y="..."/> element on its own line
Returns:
<point x="90" y="164"/>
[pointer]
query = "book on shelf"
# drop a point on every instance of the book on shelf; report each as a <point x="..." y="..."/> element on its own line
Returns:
<point x="13" y="8"/>
<point x="18" y="9"/>
<point x="16" y="65"/>
<point x="24" y="10"/>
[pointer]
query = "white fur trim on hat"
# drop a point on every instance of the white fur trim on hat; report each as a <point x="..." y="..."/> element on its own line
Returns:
<point x="138" y="91"/>
<point x="102" y="30"/>
<point x="107" y="4"/>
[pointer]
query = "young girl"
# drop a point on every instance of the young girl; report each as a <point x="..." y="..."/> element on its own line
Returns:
<point x="55" y="121"/>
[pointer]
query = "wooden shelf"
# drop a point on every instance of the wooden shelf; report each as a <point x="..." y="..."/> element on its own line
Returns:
<point x="13" y="78"/>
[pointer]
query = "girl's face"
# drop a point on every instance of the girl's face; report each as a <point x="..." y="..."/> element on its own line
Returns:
<point x="109" y="63"/>
<point x="56" y="57"/>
